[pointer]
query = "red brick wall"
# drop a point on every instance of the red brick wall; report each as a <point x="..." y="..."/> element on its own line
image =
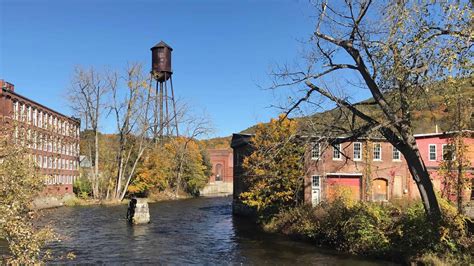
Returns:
<point x="368" y="169"/>
<point x="224" y="157"/>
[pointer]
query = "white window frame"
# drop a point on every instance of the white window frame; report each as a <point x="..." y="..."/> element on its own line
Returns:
<point x="359" y="153"/>
<point x="15" y="110"/>
<point x="396" y="151"/>
<point x="435" y="152"/>
<point x="379" y="145"/>
<point x="336" y="150"/>
<point x="315" y="156"/>
<point x="319" y="181"/>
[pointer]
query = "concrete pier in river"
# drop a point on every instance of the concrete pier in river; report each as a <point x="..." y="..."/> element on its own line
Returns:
<point x="138" y="211"/>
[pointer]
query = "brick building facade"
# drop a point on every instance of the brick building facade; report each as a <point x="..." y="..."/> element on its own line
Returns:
<point x="221" y="180"/>
<point x="51" y="137"/>
<point x="367" y="169"/>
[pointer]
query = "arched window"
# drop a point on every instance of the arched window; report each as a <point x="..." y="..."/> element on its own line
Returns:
<point x="218" y="172"/>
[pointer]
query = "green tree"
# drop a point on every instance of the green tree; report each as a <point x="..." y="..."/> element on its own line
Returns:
<point x="274" y="171"/>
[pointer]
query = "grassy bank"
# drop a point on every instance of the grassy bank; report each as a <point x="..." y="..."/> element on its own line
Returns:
<point x="152" y="197"/>
<point x="399" y="233"/>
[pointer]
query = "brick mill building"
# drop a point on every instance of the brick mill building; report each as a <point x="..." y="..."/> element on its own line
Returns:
<point x="221" y="180"/>
<point x="366" y="169"/>
<point x="51" y="137"/>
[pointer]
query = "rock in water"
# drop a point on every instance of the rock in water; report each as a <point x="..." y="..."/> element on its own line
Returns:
<point x="138" y="211"/>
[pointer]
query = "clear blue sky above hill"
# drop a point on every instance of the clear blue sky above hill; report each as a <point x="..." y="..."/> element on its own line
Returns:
<point x="223" y="50"/>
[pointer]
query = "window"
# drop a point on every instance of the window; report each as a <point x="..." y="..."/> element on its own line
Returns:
<point x="336" y="151"/>
<point x="315" y="181"/>
<point x="218" y="172"/>
<point x="377" y="152"/>
<point x="395" y="154"/>
<point x="40" y="119"/>
<point x="432" y="152"/>
<point x="315" y="152"/>
<point x="357" y="151"/>
<point x="34" y="117"/>
<point x="22" y="112"/>
<point x="448" y="152"/>
<point x="15" y="110"/>
<point x="28" y="114"/>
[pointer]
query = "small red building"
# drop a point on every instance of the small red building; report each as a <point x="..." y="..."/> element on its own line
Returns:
<point x="367" y="169"/>
<point x="374" y="170"/>
<point x="221" y="180"/>
<point x="438" y="151"/>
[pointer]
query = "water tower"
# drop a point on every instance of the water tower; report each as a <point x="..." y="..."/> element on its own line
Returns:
<point x="165" y="119"/>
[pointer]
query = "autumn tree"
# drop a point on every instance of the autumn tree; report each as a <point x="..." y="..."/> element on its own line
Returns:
<point x="274" y="170"/>
<point x="154" y="173"/>
<point x="396" y="51"/>
<point x="19" y="185"/>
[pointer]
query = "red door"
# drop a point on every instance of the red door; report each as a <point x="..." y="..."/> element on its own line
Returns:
<point x="347" y="185"/>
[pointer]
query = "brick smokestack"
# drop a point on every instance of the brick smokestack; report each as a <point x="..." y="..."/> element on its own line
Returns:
<point x="6" y="85"/>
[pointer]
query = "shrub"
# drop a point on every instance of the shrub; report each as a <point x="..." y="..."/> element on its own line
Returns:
<point x="376" y="230"/>
<point x="365" y="230"/>
<point x="83" y="187"/>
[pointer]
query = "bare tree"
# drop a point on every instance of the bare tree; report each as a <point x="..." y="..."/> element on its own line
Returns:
<point x="130" y="106"/>
<point x="396" y="50"/>
<point x="86" y="94"/>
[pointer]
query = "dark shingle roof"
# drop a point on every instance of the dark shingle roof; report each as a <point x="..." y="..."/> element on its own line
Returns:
<point x="162" y="44"/>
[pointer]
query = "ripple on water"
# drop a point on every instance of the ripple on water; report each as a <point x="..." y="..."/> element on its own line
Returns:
<point x="195" y="231"/>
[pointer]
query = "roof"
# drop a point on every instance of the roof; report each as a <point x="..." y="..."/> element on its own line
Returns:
<point x="161" y="44"/>
<point x="72" y="118"/>
<point x="240" y="140"/>
<point x="427" y="135"/>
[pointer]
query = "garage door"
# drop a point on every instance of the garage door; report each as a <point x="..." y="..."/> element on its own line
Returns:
<point x="348" y="185"/>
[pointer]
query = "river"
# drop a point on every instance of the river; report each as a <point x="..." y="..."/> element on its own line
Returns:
<point x="194" y="231"/>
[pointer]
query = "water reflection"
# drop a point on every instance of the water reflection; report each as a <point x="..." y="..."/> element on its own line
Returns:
<point x="196" y="231"/>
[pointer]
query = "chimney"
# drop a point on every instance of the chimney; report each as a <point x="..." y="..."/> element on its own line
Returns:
<point x="436" y="128"/>
<point x="6" y="85"/>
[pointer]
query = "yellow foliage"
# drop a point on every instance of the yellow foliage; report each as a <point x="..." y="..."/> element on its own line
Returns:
<point x="274" y="170"/>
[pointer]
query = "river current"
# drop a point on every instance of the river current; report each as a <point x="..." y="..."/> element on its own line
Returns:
<point x="194" y="231"/>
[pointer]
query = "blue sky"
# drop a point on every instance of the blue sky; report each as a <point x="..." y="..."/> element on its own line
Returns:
<point x="223" y="50"/>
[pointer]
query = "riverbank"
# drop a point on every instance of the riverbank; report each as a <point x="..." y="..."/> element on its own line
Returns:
<point x="400" y="234"/>
<point x="152" y="198"/>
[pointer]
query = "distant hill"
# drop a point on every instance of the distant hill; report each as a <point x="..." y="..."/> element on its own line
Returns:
<point x="217" y="143"/>
<point x="431" y="111"/>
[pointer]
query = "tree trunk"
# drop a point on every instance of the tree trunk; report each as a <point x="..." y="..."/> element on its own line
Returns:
<point x="420" y="174"/>
<point x="95" y="184"/>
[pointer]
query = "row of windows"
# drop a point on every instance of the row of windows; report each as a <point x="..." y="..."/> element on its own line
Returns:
<point x="357" y="152"/>
<point x="48" y="162"/>
<point x="60" y="180"/>
<point x="45" y="142"/>
<point x="447" y="152"/>
<point x="38" y="118"/>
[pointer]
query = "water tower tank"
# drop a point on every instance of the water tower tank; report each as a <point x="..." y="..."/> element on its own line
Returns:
<point x="161" y="61"/>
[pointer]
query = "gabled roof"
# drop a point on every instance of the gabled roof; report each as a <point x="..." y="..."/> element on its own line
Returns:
<point x="162" y="44"/>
